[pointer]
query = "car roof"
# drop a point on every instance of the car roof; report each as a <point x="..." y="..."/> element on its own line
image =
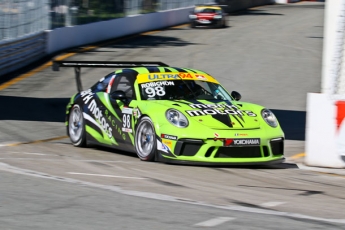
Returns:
<point x="154" y="73"/>
<point x="155" y="69"/>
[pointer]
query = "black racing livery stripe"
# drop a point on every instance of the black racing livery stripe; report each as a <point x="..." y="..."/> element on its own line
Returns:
<point x="153" y="69"/>
<point x="89" y="123"/>
<point x="95" y="127"/>
<point x="191" y="70"/>
<point x="191" y="101"/>
<point x="132" y="71"/>
<point x="226" y="120"/>
<point x="239" y="114"/>
<point x="167" y="70"/>
<point x="235" y="116"/>
<point x="196" y="71"/>
<point x="181" y="70"/>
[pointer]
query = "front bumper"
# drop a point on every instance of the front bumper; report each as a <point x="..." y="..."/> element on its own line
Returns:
<point x="212" y="151"/>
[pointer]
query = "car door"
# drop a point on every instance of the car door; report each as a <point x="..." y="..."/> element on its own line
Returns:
<point x="124" y="130"/>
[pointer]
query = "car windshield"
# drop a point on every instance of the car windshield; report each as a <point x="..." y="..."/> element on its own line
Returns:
<point x="182" y="90"/>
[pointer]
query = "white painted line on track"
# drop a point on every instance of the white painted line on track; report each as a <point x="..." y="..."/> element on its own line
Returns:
<point x="162" y="197"/>
<point x="100" y="161"/>
<point x="272" y="204"/>
<point x="104" y="175"/>
<point x="38" y="154"/>
<point x="339" y="171"/>
<point x="214" y="222"/>
<point x="5" y="144"/>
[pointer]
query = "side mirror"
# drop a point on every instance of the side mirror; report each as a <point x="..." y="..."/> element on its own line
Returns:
<point x="236" y="95"/>
<point x="118" y="95"/>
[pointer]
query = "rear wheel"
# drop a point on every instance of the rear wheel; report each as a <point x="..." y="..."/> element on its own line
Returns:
<point x="76" y="127"/>
<point x="145" y="140"/>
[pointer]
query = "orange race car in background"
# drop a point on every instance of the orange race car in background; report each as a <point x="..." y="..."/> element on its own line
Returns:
<point x="208" y="15"/>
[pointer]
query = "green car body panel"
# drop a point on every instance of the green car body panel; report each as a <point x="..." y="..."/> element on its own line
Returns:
<point x="218" y="131"/>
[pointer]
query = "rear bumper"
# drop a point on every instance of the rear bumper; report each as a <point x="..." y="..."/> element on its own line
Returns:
<point x="211" y="22"/>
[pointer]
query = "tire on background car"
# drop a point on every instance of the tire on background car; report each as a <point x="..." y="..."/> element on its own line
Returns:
<point x="192" y="25"/>
<point x="76" y="126"/>
<point x="145" y="140"/>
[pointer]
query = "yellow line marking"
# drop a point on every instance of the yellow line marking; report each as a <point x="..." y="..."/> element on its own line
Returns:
<point x="180" y="26"/>
<point x="62" y="57"/>
<point x="32" y="72"/>
<point x="151" y="32"/>
<point x="297" y="156"/>
<point x="331" y="174"/>
<point x="37" y="141"/>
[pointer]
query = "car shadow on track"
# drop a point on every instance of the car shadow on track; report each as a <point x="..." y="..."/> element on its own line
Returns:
<point x="149" y="41"/>
<point x="54" y="110"/>
<point x="33" y="109"/>
<point x="256" y="166"/>
<point x="292" y="122"/>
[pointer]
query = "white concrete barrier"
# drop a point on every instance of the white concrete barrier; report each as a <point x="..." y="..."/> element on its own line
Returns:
<point x="325" y="131"/>
<point x="69" y="37"/>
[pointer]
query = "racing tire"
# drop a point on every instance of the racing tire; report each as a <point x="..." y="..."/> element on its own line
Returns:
<point x="225" y="24"/>
<point x="145" y="140"/>
<point x="76" y="126"/>
<point x="192" y="25"/>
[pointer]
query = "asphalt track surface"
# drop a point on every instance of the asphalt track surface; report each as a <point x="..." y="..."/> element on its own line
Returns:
<point x="271" y="55"/>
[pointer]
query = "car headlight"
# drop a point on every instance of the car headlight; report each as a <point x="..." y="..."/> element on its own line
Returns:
<point x="269" y="117"/>
<point x="192" y="16"/>
<point x="176" y="118"/>
<point x="217" y="16"/>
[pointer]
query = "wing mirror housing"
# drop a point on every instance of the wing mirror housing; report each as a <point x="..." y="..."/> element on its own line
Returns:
<point x="118" y="95"/>
<point x="236" y="95"/>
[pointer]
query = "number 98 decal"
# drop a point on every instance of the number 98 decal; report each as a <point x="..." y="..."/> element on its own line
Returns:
<point x="152" y="92"/>
<point x="126" y="123"/>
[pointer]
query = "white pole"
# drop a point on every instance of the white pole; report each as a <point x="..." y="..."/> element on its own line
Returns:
<point x="334" y="24"/>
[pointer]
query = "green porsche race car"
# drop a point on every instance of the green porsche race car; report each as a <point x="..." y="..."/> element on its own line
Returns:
<point x="169" y="114"/>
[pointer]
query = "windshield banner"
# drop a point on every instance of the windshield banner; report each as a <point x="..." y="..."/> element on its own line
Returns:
<point x="143" y="78"/>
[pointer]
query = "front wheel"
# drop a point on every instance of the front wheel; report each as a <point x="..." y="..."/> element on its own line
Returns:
<point x="76" y="127"/>
<point x="145" y="140"/>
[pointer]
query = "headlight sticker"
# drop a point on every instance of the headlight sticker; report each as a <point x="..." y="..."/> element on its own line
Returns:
<point x="168" y="143"/>
<point x="162" y="147"/>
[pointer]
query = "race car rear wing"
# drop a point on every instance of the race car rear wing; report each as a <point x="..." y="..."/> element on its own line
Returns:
<point x="100" y="64"/>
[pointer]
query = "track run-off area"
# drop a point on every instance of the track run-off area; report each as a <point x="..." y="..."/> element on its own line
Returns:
<point x="272" y="55"/>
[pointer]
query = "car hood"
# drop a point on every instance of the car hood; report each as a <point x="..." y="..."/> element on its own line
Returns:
<point x="217" y="114"/>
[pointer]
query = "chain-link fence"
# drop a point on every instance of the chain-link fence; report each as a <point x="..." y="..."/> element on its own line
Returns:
<point x="77" y="12"/>
<point x="23" y="17"/>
